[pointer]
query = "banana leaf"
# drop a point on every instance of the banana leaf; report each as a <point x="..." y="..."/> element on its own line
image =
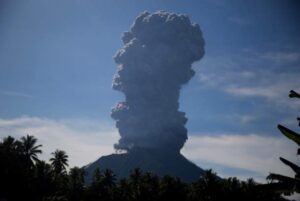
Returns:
<point x="294" y="94"/>
<point x="289" y="134"/>
<point x="282" y="178"/>
<point x="279" y="187"/>
<point x="294" y="167"/>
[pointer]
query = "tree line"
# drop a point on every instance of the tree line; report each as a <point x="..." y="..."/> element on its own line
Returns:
<point x="23" y="176"/>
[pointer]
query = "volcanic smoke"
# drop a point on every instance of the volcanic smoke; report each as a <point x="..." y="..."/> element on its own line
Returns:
<point x="155" y="61"/>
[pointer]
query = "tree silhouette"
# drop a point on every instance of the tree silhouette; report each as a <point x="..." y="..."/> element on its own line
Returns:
<point x="30" y="149"/>
<point x="103" y="186"/>
<point x="135" y="180"/>
<point x="59" y="164"/>
<point x="172" y="188"/>
<point x="59" y="161"/>
<point x="209" y="186"/>
<point x="285" y="184"/>
<point x="10" y="145"/>
<point x="97" y="176"/>
<point x="51" y="182"/>
<point x="124" y="190"/>
<point x="42" y="183"/>
<point x="109" y="184"/>
<point x="150" y="187"/>
<point x="75" y="183"/>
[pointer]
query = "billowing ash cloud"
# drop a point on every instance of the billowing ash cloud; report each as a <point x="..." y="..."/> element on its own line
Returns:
<point x="155" y="61"/>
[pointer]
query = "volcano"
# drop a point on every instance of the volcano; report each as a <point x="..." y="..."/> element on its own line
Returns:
<point x="158" y="162"/>
<point x="155" y="61"/>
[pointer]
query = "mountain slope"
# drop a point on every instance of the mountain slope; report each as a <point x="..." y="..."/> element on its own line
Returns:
<point x="159" y="162"/>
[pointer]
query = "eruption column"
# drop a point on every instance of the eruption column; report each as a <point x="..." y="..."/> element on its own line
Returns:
<point x="155" y="61"/>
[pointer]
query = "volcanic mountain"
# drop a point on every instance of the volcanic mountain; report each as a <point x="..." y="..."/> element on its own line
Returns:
<point x="155" y="61"/>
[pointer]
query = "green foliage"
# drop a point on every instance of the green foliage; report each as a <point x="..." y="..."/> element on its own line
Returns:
<point x="42" y="181"/>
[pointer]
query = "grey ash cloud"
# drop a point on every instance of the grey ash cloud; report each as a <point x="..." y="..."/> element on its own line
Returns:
<point x="155" y="61"/>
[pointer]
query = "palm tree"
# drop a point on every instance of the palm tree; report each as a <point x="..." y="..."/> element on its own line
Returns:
<point x="59" y="161"/>
<point x="76" y="183"/>
<point x="109" y="178"/>
<point x="30" y="149"/>
<point x="12" y="173"/>
<point x="172" y="188"/>
<point x="42" y="183"/>
<point x="135" y="179"/>
<point x="103" y="186"/>
<point x="97" y="178"/>
<point x="124" y="190"/>
<point x="9" y="144"/>
<point x="94" y="192"/>
<point x="209" y="186"/>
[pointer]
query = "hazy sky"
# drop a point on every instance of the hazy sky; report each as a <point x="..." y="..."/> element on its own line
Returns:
<point x="56" y="71"/>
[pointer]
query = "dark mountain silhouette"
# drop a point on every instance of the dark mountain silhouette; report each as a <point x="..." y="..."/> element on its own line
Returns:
<point x="157" y="161"/>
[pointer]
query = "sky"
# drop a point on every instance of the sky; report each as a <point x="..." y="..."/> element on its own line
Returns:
<point x="56" y="72"/>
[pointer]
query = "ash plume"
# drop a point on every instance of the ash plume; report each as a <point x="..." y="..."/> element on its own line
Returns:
<point x="155" y="61"/>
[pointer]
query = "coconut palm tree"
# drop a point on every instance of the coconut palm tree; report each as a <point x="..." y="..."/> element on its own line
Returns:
<point x="109" y="178"/>
<point x="59" y="161"/>
<point x="76" y="184"/>
<point x="10" y="144"/>
<point x="42" y="183"/>
<point x="30" y="149"/>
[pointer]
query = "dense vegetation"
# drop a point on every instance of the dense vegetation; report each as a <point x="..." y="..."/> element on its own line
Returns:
<point x="25" y="177"/>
